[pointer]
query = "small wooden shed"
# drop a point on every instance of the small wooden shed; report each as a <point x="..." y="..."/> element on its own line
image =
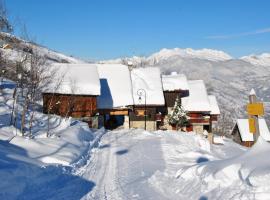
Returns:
<point x="73" y="92"/>
<point x="242" y="135"/>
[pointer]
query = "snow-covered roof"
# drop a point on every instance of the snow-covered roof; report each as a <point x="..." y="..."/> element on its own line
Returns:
<point x="198" y="99"/>
<point x="116" y="88"/>
<point x="243" y="127"/>
<point x="148" y="79"/>
<point x="77" y="79"/>
<point x="214" y="105"/>
<point x="174" y="82"/>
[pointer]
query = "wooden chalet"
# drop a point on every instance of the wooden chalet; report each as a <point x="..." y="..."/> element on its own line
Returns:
<point x="149" y="104"/>
<point x="242" y="135"/>
<point x="74" y="92"/>
<point x="202" y="109"/>
<point x="116" y="99"/>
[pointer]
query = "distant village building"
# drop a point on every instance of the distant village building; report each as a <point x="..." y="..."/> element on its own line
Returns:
<point x="74" y="92"/>
<point x="202" y="109"/>
<point x="149" y="102"/>
<point x="116" y="97"/>
<point x="242" y="135"/>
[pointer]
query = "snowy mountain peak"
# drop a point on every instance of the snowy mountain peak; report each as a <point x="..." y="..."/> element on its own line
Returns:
<point x="262" y="59"/>
<point x="208" y="54"/>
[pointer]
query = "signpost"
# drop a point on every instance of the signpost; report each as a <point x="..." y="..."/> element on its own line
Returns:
<point x="254" y="109"/>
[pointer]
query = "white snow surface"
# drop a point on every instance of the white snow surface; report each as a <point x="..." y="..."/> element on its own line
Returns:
<point x="116" y="87"/>
<point x="148" y="79"/>
<point x="77" y="79"/>
<point x="198" y="98"/>
<point x="245" y="133"/>
<point x="241" y="177"/>
<point x="136" y="164"/>
<point x="174" y="82"/>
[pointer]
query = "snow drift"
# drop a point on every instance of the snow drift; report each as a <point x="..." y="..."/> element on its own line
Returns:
<point x="240" y="177"/>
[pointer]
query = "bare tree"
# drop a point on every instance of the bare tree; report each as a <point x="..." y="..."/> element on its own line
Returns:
<point x="224" y="125"/>
<point x="57" y="84"/>
<point x="5" y="25"/>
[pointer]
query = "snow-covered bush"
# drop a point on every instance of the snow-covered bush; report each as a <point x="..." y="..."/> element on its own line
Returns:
<point x="178" y="116"/>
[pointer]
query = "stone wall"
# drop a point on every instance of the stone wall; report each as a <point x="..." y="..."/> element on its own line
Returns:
<point x="150" y="125"/>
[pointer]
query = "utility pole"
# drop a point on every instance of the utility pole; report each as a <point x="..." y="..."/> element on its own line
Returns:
<point x="140" y="93"/>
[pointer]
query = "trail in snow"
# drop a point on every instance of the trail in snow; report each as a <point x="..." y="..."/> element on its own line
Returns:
<point x="135" y="164"/>
<point x="122" y="165"/>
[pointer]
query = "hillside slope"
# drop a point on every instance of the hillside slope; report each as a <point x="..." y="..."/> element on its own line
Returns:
<point x="18" y="48"/>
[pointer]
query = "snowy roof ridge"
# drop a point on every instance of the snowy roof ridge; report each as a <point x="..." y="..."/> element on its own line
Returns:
<point x="198" y="98"/>
<point x="243" y="127"/>
<point x="174" y="82"/>
<point x="116" y="86"/>
<point x="77" y="79"/>
<point x="148" y="79"/>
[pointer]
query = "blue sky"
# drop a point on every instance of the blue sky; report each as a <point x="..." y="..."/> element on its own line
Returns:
<point x="103" y="29"/>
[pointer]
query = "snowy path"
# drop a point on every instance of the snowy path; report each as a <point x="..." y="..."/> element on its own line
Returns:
<point x="122" y="165"/>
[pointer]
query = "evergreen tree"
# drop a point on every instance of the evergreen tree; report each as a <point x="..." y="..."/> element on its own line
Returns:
<point x="178" y="116"/>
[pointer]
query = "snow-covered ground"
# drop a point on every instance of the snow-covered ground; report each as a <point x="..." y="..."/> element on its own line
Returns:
<point x="136" y="164"/>
<point x="76" y="162"/>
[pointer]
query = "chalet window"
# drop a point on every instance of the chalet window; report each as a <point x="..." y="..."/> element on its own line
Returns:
<point x="140" y="113"/>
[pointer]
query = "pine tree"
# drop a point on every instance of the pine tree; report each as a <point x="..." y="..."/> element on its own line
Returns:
<point x="178" y="116"/>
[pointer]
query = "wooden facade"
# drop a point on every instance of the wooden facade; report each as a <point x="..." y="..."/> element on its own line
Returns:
<point x="78" y="106"/>
<point x="170" y="96"/>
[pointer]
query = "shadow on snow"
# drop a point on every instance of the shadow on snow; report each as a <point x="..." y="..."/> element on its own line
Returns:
<point x="24" y="178"/>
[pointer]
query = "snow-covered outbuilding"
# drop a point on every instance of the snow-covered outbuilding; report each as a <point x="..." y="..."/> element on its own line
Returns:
<point x="116" y="96"/>
<point x="148" y="98"/>
<point x="243" y="136"/>
<point x="202" y="108"/>
<point x="73" y="92"/>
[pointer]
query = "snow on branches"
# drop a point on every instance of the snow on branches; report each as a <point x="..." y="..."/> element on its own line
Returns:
<point x="178" y="116"/>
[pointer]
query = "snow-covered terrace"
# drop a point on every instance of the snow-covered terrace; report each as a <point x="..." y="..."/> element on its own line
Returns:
<point x="116" y="87"/>
<point x="76" y="79"/>
<point x="148" y="79"/>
